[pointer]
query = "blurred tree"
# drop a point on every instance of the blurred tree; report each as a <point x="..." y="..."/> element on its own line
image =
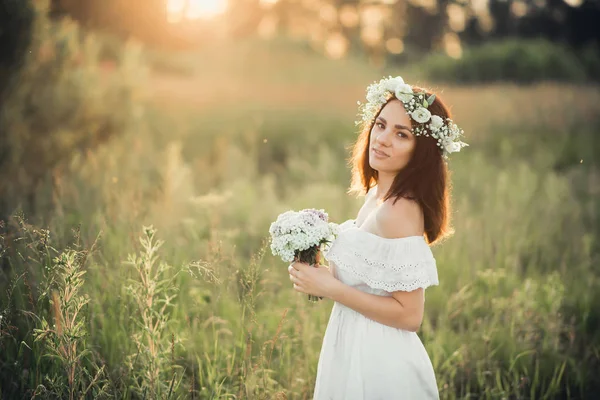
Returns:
<point x="504" y="21"/>
<point x="15" y="33"/>
<point x="244" y="17"/>
<point x="374" y="27"/>
<point x="426" y="23"/>
<point x="60" y="102"/>
<point x="406" y="29"/>
<point x="572" y="22"/>
<point x="146" y="20"/>
<point x="397" y="33"/>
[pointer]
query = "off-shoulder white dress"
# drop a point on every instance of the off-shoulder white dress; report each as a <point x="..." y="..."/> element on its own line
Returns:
<point x="362" y="359"/>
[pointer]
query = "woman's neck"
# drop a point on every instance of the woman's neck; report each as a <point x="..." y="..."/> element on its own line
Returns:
<point x="384" y="183"/>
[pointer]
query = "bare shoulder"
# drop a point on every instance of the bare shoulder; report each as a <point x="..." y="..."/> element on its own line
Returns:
<point x="400" y="219"/>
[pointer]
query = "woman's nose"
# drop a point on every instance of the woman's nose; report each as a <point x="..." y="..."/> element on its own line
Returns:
<point x="383" y="138"/>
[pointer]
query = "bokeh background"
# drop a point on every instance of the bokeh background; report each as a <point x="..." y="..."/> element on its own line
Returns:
<point x="146" y="146"/>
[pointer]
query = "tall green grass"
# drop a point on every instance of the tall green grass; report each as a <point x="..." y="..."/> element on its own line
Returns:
<point x="155" y="250"/>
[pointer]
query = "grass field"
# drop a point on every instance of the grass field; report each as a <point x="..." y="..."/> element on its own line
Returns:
<point x="162" y="286"/>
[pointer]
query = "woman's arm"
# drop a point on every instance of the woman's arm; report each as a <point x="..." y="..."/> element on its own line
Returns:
<point x="403" y="310"/>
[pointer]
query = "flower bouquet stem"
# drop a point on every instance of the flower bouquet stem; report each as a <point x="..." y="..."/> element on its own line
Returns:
<point x="310" y="256"/>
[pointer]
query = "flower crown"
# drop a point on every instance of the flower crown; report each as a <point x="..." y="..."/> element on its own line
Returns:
<point x="415" y="103"/>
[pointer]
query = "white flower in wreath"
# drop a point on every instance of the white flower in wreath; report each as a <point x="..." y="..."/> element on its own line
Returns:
<point x="421" y="115"/>
<point x="404" y="92"/>
<point x="450" y="146"/>
<point x="393" y="83"/>
<point x="454" y="147"/>
<point x="376" y="94"/>
<point x="436" y="122"/>
<point x="454" y="132"/>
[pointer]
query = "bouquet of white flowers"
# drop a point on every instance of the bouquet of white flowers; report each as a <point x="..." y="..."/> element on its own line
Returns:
<point x="298" y="236"/>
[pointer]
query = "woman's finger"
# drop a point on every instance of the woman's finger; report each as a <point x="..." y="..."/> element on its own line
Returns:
<point x="295" y="279"/>
<point x="298" y="288"/>
<point x="294" y="273"/>
<point x="297" y="265"/>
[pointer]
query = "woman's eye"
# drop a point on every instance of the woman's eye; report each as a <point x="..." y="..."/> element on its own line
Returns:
<point x="402" y="134"/>
<point x="380" y="125"/>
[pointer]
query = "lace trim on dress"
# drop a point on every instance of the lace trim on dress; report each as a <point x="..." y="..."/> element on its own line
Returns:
<point x="402" y="264"/>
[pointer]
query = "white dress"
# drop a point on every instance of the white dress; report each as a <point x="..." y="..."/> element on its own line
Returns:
<point x="362" y="359"/>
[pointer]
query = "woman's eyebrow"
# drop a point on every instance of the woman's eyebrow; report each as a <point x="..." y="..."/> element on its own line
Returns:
<point x="402" y="127"/>
<point x="395" y="126"/>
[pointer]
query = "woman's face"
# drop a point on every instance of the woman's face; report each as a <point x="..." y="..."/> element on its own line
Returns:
<point x="391" y="143"/>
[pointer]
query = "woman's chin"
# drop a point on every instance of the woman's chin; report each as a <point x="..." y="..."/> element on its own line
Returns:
<point x="382" y="168"/>
<point x="375" y="164"/>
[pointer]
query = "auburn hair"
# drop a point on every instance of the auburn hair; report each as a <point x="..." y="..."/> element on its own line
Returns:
<point x="425" y="179"/>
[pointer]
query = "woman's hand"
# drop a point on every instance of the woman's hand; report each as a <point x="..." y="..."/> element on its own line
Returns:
<point x="316" y="280"/>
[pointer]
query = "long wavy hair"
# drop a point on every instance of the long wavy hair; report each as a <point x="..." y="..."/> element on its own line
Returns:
<point x="424" y="179"/>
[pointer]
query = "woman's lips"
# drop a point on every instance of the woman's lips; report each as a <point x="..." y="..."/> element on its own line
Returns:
<point x="379" y="153"/>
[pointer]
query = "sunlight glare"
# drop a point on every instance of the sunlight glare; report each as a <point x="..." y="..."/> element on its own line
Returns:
<point x="195" y="9"/>
<point x="268" y="3"/>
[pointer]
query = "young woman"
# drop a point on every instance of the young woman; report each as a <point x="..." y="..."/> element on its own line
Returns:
<point x="381" y="263"/>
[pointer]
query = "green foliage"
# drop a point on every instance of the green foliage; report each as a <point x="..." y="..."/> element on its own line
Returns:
<point x="590" y="58"/>
<point x="53" y="359"/>
<point x="153" y="372"/>
<point x="61" y="102"/>
<point x="521" y="61"/>
<point x="515" y="315"/>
